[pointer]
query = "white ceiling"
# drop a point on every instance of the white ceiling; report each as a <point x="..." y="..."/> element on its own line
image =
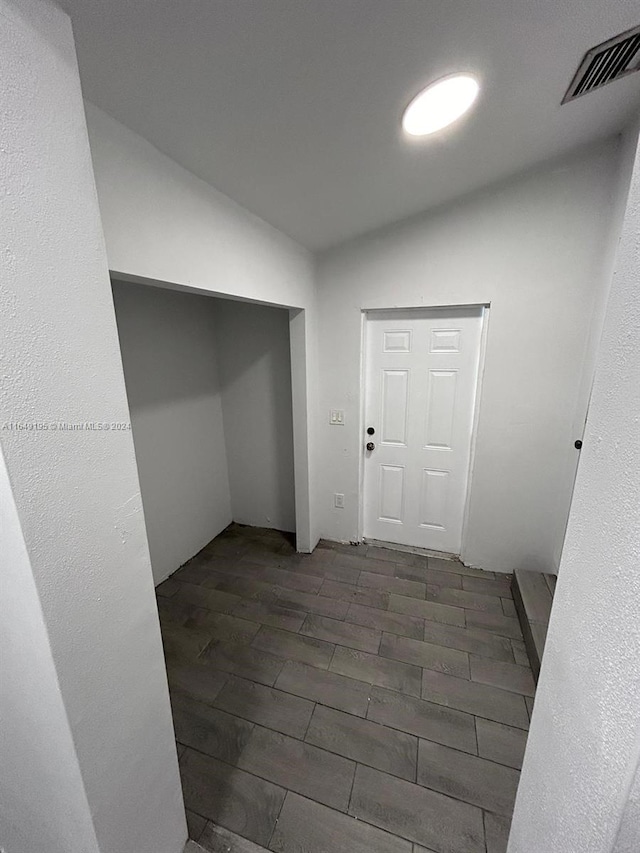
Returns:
<point x="292" y="107"/>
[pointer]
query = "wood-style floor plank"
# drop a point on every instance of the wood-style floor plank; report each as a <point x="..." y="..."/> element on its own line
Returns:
<point x="357" y="698"/>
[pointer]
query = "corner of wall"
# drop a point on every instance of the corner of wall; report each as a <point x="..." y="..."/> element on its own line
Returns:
<point x="627" y="143"/>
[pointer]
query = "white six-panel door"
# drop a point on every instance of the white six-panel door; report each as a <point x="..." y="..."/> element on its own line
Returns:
<point x="421" y="379"/>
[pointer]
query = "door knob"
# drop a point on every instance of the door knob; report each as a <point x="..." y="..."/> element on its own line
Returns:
<point x="370" y="445"/>
<point x="577" y="444"/>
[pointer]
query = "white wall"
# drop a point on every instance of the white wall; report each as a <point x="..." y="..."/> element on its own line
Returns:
<point x="209" y="391"/>
<point x="255" y="375"/>
<point x="76" y="492"/>
<point x="163" y="224"/>
<point x="170" y="361"/>
<point x="577" y="788"/>
<point x="43" y="805"/>
<point x="535" y="248"/>
<point x="592" y="342"/>
<point x="628" y="829"/>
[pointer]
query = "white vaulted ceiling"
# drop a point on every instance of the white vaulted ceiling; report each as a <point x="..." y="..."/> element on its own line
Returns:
<point x="292" y="107"/>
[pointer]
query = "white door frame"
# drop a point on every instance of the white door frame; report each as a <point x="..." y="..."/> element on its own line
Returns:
<point x="364" y="314"/>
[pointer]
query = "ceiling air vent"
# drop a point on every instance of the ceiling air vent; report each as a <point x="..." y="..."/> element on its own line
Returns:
<point x="608" y="61"/>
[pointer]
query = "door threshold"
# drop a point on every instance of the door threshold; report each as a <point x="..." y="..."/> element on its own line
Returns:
<point x="410" y="549"/>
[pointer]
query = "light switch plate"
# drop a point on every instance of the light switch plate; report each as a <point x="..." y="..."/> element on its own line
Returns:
<point x="336" y="417"/>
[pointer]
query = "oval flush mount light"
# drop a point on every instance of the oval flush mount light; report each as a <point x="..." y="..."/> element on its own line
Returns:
<point x="440" y="104"/>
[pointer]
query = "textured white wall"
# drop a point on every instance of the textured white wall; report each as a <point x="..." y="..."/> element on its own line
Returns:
<point x="620" y="192"/>
<point x="170" y="361"/>
<point x="76" y="492"/>
<point x="163" y="224"/>
<point x="577" y="788"/>
<point x="536" y="248"/>
<point x="255" y="376"/>
<point x="43" y="805"/>
<point x="629" y="828"/>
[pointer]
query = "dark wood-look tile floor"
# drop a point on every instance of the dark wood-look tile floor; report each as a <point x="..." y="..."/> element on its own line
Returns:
<point x="355" y="700"/>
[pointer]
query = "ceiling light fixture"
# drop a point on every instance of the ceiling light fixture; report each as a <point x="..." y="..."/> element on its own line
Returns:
<point x="440" y="104"/>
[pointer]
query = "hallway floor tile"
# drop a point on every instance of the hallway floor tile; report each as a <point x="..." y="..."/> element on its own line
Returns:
<point x="355" y="700"/>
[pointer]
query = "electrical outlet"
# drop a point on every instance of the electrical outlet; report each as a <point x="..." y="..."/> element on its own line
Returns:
<point x="338" y="500"/>
<point x="336" y="417"/>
